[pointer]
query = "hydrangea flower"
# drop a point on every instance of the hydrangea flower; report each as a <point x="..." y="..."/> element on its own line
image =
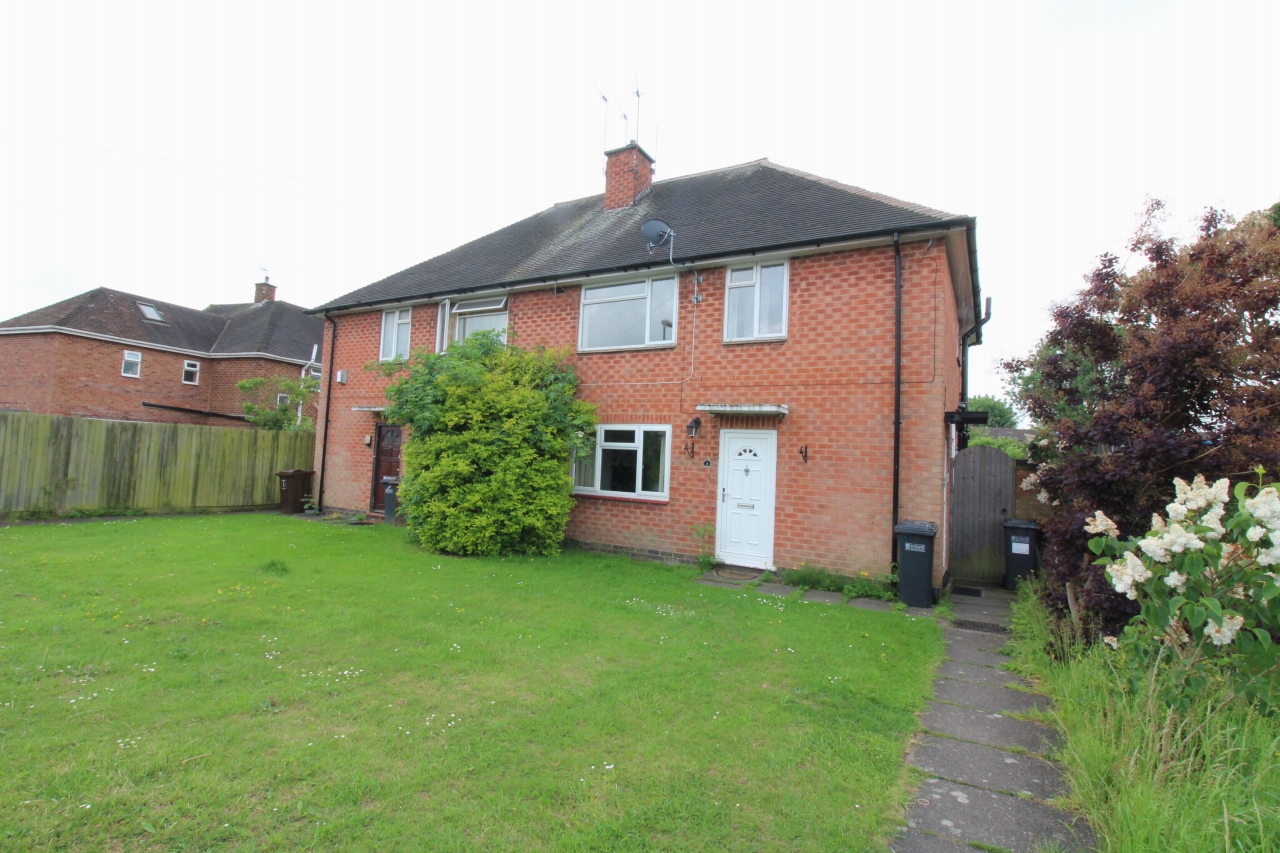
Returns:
<point x="1222" y="636"/>
<point x="1256" y="533"/>
<point x="1043" y="497"/>
<point x="1266" y="507"/>
<point x="1176" y="581"/>
<point x="1125" y="575"/>
<point x="1030" y="481"/>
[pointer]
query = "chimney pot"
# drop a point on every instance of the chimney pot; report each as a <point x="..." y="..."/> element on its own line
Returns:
<point x="628" y="174"/>
<point x="264" y="291"/>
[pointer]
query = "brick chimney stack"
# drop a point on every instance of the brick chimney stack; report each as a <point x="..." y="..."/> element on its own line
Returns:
<point x="628" y="174"/>
<point x="264" y="291"/>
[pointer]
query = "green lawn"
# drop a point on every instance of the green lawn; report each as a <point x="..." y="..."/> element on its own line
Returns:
<point x="162" y="692"/>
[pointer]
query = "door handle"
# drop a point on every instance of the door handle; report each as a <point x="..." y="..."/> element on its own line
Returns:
<point x="722" y="495"/>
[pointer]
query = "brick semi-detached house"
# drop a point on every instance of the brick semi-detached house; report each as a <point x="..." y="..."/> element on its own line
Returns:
<point x="766" y="324"/>
<point x="107" y="354"/>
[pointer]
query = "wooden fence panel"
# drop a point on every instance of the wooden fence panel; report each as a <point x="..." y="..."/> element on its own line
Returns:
<point x="50" y="463"/>
<point x="982" y="496"/>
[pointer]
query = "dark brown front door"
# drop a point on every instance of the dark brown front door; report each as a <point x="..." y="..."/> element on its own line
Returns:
<point x="386" y="462"/>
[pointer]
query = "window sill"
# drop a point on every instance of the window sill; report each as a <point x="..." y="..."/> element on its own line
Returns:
<point x="667" y="345"/>
<point x="781" y="339"/>
<point x="614" y="497"/>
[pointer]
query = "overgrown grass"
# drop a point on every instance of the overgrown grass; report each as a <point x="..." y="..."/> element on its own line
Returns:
<point x="1148" y="779"/>
<point x="158" y="691"/>
<point x="850" y="587"/>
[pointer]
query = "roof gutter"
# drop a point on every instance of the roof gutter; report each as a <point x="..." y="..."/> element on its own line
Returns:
<point x="828" y="243"/>
<point x="98" y="336"/>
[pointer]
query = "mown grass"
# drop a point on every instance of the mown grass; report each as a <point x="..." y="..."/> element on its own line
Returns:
<point x="163" y="689"/>
<point x="1212" y="785"/>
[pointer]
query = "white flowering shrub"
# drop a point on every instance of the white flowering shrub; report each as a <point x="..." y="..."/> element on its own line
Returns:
<point x="1205" y="576"/>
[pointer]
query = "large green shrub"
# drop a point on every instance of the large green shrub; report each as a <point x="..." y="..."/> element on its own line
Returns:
<point x="492" y="428"/>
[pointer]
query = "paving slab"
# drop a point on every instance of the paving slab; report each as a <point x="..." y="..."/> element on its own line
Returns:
<point x="966" y="813"/>
<point x="919" y="841"/>
<point x="977" y="673"/>
<point x="818" y="596"/>
<point x="870" y="604"/>
<point x="987" y="697"/>
<point x="990" y="615"/>
<point x="975" y="647"/>
<point x="775" y="589"/>
<point x="987" y="728"/>
<point x="988" y="767"/>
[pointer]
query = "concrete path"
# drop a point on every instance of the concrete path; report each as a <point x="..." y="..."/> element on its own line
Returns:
<point x="990" y="785"/>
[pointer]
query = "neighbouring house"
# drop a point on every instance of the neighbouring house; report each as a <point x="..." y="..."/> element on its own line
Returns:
<point x="107" y="354"/>
<point x="746" y="370"/>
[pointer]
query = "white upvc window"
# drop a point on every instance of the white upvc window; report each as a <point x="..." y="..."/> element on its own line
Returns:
<point x="479" y="315"/>
<point x="395" y="334"/>
<point x="282" y="400"/>
<point x="132" y="365"/>
<point x="630" y="460"/>
<point x="191" y="373"/>
<point x="755" y="302"/>
<point x="628" y="315"/>
<point x="314" y="372"/>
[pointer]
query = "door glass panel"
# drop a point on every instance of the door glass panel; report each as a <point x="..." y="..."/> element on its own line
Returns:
<point x="662" y="311"/>
<point x="613" y="324"/>
<point x="620" y="436"/>
<point x="653" y="469"/>
<point x="618" y="470"/>
<point x="742" y="312"/>
<point x="772" y="300"/>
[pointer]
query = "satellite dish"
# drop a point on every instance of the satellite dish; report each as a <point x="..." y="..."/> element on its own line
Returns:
<point x="656" y="232"/>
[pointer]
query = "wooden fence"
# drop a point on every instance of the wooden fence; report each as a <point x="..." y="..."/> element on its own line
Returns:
<point x="982" y="496"/>
<point x="54" y="464"/>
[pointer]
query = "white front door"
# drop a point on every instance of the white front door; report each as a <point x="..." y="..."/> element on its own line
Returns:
<point x="744" y="518"/>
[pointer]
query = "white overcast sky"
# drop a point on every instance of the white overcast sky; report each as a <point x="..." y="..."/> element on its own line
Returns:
<point x="172" y="149"/>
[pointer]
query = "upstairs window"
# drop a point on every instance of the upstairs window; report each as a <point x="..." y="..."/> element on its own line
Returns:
<point x="315" y="373"/>
<point x="150" y="312"/>
<point x="191" y="373"/>
<point x="755" y="304"/>
<point x="629" y="461"/>
<point x="282" y="400"/>
<point x="132" y="365"/>
<point x="395" y="334"/>
<point x="480" y="315"/>
<point x="627" y="316"/>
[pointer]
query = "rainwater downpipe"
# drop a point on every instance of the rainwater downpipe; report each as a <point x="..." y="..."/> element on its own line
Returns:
<point x="897" y="390"/>
<point x="963" y="431"/>
<point x="328" y="398"/>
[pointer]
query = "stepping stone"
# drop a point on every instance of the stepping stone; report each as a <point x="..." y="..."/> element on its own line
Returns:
<point x="919" y="841"/>
<point x="982" y="727"/>
<point x="818" y="596"/>
<point x="988" y="767"/>
<point x="964" y="813"/>
<point x="986" y="697"/>
<point x="973" y="647"/>
<point x="870" y="604"/>
<point x="775" y="589"/>
<point x="978" y="674"/>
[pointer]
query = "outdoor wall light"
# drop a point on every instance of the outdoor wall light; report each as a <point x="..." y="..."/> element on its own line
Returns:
<point x="694" y="426"/>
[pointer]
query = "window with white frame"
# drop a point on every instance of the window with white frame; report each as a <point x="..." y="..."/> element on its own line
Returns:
<point x="755" y="304"/>
<point x="191" y="373"/>
<point x="314" y="372"/>
<point x="629" y="315"/>
<point x="480" y="315"/>
<point x="395" y="334"/>
<point x="631" y="460"/>
<point x="282" y="400"/>
<point x="132" y="365"/>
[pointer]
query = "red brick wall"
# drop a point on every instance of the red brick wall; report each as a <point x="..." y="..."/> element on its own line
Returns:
<point x="628" y="172"/>
<point x="52" y="373"/>
<point x="834" y="371"/>
<point x="350" y="460"/>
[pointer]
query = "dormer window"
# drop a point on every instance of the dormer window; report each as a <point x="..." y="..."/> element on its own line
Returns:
<point x="150" y="312"/>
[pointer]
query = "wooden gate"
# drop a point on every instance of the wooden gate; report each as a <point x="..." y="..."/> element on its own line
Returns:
<point x="982" y="496"/>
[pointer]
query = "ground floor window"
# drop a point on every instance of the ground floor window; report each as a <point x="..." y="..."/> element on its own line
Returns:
<point x="629" y="460"/>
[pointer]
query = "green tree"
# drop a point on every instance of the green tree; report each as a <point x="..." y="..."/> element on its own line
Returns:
<point x="278" y="402"/>
<point x="1001" y="414"/>
<point x="492" y="429"/>
<point x="1012" y="446"/>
